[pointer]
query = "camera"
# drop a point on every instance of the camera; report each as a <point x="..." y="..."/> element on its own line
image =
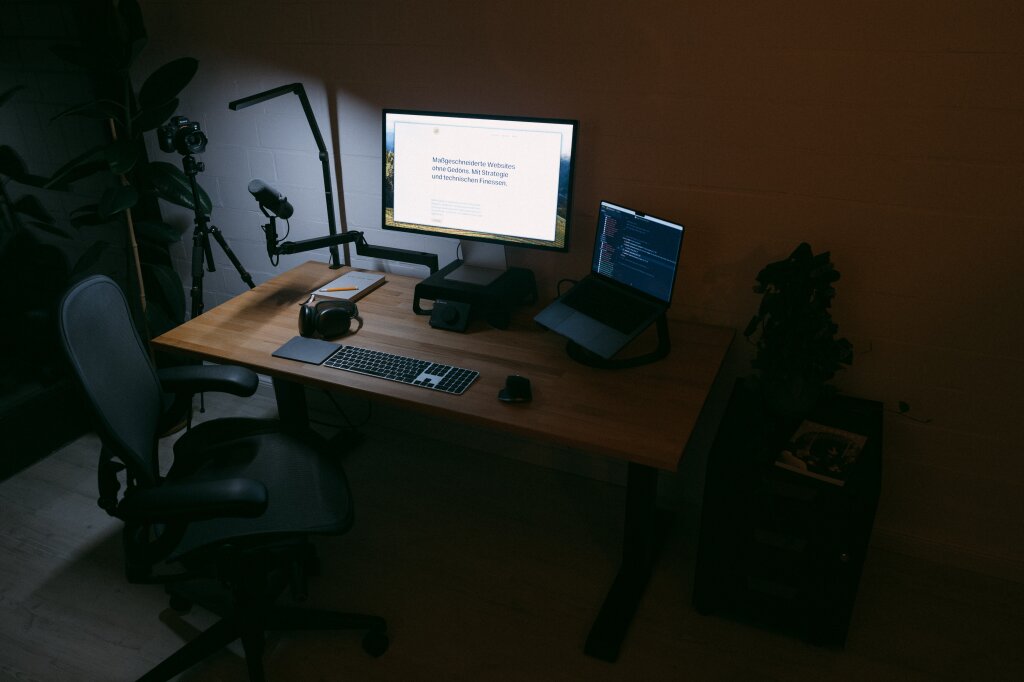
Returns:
<point x="181" y="135"/>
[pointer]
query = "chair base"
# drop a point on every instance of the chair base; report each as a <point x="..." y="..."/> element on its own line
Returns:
<point x="251" y="628"/>
<point x="246" y="603"/>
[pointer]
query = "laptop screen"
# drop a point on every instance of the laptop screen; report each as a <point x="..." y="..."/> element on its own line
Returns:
<point x="637" y="250"/>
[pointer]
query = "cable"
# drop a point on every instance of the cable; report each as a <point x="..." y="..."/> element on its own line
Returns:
<point x="275" y="257"/>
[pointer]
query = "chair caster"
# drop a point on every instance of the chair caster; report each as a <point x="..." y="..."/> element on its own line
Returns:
<point x="375" y="643"/>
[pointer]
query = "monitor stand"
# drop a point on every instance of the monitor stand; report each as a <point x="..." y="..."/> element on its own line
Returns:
<point x="481" y="265"/>
<point x="474" y="274"/>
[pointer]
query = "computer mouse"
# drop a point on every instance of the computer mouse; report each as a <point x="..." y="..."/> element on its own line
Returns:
<point x="517" y="390"/>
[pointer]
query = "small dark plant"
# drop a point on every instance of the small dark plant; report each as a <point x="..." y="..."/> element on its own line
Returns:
<point x="797" y="349"/>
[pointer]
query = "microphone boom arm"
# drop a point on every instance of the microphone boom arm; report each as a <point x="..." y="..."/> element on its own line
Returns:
<point x="363" y="248"/>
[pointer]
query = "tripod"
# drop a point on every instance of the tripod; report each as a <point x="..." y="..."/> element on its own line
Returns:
<point x="201" y="240"/>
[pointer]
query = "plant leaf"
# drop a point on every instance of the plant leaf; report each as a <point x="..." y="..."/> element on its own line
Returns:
<point x="86" y="216"/>
<point x="121" y="156"/>
<point x="117" y="199"/>
<point x="100" y="109"/>
<point x="11" y="163"/>
<point x="134" y="34"/>
<point x="89" y="258"/>
<point x="77" y="173"/>
<point x="31" y="206"/>
<point x="79" y="167"/>
<point x="51" y="229"/>
<point x="165" y="83"/>
<point x="85" y="208"/>
<point x="165" y="297"/>
<point x="172" y="184"/>
<point x="7" y="94"/>
<point x="150" y="119"/>
<point x="154" y="231"/>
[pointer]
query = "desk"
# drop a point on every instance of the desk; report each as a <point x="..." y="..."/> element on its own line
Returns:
<point x="643" y="416"/>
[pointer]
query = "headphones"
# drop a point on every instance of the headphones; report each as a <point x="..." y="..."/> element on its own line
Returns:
<point x="328" y="318"/>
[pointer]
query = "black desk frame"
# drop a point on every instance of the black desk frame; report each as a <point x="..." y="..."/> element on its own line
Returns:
<point x="644" y="532"/>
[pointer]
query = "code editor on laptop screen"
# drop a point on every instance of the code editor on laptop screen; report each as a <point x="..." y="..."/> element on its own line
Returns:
<point x="637" y="250"/>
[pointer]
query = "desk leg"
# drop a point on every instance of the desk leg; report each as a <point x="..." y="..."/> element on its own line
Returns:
<point x="643" y="534"/>
<point x="291" y="404"/>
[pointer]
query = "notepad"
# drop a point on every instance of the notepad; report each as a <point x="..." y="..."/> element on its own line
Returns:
<point x="363" y="283"/>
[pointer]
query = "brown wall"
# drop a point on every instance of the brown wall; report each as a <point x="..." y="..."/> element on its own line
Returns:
<point x="891" y="133"/>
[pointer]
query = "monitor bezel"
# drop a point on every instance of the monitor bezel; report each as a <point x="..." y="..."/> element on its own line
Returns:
<point x="456" y="233"/>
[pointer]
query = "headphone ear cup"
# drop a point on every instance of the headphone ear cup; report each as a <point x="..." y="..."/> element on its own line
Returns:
<point x="307" y="320"/>
<point x="334" y="318"/>
<point x="333" y="321"/>
<point x="327" y="319"/>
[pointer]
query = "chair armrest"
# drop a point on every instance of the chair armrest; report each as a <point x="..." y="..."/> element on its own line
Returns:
<point x="190" y="379"/>
<point x="195" y="501"/>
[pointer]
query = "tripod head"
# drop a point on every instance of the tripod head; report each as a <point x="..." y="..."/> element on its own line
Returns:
<point x="191" y="166"/>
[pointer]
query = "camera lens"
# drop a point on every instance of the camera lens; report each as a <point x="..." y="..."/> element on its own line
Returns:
<point x="195" y="142"/>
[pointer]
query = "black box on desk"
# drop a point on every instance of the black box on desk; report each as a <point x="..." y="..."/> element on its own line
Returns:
<point x="494" y="302"/>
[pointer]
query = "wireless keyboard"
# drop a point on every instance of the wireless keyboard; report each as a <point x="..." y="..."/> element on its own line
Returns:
<point x="413" y="371"/>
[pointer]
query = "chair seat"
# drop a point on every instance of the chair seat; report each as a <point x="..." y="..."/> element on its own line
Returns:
<point x="306" y="485"/>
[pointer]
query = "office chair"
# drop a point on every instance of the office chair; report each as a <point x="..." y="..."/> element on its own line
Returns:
<point x="237" y="505"/>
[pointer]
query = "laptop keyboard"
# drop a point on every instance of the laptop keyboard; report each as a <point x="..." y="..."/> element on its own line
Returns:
<point x="406" y="370"/>
<point x="607" y="305"/>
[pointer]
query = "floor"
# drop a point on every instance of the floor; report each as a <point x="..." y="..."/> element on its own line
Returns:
<point x="487" y="568"/>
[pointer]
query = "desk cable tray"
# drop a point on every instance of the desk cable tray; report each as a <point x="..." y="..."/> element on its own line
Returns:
<point x="406" y="370"/>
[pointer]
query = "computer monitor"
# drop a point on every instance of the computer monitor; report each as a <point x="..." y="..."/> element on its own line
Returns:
<point x="499" y="179"/>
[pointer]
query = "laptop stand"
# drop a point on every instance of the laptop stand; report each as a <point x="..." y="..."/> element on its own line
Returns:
<point x="586" y="357"/>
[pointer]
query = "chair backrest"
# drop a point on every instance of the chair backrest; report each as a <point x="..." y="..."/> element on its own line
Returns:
<point x="115" y="373"/>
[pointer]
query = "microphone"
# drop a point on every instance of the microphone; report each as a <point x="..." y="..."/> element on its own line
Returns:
<point x="271" y="199"/>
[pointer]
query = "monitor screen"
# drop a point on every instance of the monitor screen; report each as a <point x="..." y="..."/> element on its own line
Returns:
<point x="497" y="179"/>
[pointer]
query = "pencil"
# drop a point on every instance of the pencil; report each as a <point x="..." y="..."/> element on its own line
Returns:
<point x="340" y="289"/>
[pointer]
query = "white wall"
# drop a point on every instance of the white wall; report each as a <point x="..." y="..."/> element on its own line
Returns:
<point x="888" y="133"/>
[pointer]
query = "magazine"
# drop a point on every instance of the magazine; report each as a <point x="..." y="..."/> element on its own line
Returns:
<point x="821" y="452"/>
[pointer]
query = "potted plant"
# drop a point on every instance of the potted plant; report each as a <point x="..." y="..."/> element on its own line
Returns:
<point x="798" y="352"/>
<point x="108" y="51"/>
<point x="120" y="231"/>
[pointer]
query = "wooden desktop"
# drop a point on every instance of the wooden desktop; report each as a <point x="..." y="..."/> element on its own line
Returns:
<point x="643" y="415"/>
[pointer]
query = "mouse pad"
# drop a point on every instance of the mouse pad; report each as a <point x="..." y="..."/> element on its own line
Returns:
<point x="313" y="351"/>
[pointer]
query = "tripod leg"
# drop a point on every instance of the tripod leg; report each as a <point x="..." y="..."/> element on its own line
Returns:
<point x="215" y="231"/>
<point x="200" y="245"/>
<point x="208" y="254"/>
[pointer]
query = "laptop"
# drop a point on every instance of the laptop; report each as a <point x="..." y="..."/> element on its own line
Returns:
<point x="633" y="271"/>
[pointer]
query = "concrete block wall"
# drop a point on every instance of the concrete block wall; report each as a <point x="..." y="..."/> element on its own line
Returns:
<point x="890" y="133"/>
